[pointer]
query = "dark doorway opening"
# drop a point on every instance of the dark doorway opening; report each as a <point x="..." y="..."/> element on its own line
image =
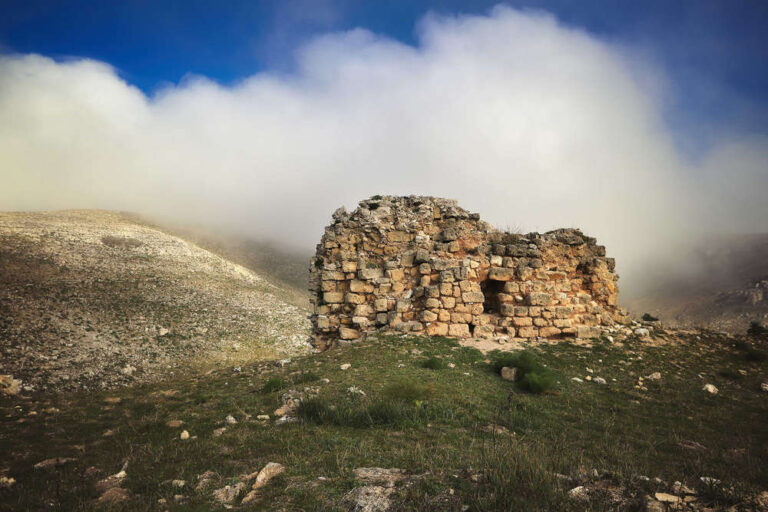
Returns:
<point x="491" y="290"/>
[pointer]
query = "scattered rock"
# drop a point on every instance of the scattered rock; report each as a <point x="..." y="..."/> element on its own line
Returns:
<point x="451" y="365"/>
<point x="345" y="366"/>
<point x="764" y="386"/>
<point x="9" y="386"/>
<point x="204" y="480"/>
<point x="263" y="417"/>
<point x="230" y="420"/>
<point x="184" y="435"/>
<point x="6" y="482"/>
<point x="576" y="379"/>
<point x="380" y="476"/>
<point x="354" y="390"/>
<point x="114" y="495"/>
<point x="54" y="462"/>
<point x="268" y="472"/>
<point x="219" y="431"/>
<point x="112" y="481"/>
<point x="370" y="498"/>
<point x="179" y="483"/>
<point x="174" y="423"/>
<point x="708" y="480"/>
<point x="654" y="376"/>
<point x="282" y="362"/>
<point x="666" y="498"/>
<point x="642" y="332"/>
<point x="710" y="388"/>
<point x="599" y="380"/>
<point x="229" y="493"/>
<point x="509" y="374"/>
<point x="580" y="493"/>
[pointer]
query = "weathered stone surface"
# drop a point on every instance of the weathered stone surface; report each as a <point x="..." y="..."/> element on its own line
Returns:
<point x="422" y="264"/>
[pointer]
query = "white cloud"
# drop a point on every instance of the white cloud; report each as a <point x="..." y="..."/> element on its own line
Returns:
<point x="526" y="121"/>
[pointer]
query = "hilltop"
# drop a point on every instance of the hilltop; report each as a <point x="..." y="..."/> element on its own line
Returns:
<point x="92" y="299"/>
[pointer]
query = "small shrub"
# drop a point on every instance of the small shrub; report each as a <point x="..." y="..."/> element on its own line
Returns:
<point x="532" y="376"/>
<point x="434" y="363"/>
<point x="757" y="329"/>
<point x="647" y="317"/>
<point x="274" y="384"/>
<point x="537" y="382"/>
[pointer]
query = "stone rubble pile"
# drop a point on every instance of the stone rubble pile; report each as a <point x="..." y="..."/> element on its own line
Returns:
<point x="424" y="265"/>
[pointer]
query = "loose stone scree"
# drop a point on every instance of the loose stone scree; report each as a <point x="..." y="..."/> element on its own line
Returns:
<point x="424" y="265"/>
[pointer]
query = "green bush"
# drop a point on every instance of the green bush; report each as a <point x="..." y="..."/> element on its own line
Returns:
<point x="434" y="363"/>
<point x="532" y="376"/>
<point x="274" y="384"/>
<point x="537" y="382"/>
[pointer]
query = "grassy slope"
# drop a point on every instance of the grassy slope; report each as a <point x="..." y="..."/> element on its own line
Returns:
<point x="615" y="428"/>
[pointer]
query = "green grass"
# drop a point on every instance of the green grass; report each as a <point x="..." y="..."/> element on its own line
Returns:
<point x="430" y="423"/>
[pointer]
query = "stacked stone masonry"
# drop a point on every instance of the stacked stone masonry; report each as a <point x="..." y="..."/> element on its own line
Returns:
<point x="424" y="265"/>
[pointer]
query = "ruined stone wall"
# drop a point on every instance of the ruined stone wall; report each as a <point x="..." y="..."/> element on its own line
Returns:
<point x="424" y="265"/>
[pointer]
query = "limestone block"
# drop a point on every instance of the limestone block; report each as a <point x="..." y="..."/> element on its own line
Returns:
<point x="437" y="329"/>
<point x="458" y="330"/>
<point x="333" y="297"/>
<point x="432" y="291"/>
<point x="425" y="268"/>
<point x="322" y="322"/>
<point x="501" y="274"/>
<point x="403" y="305"/>
<point x="354" y="298"/>
<point x="483" y="331"/>
<point x="507" y="309"/>
<point x="361" y="321"/>
<point x="522" y="321"/>
<point x="428" y="316"/>
<point x="332" y="275"/>
<point x="470" y="297"/>
<point x="511" y="287"/>
<point x="448" y="302"/>
<point x="357" y="286"/>
<point x="362" y="310"/>
<point x="527" y="332"/>
<point x="548" y="332"/>
<point x="432" y="303"/>
<point x="444" y="315"/>
<point x="349" y="266"/>
<point x="347" y="333"/>
<point x="396" y="274"/>
<point x="369" y="273"/>
<point x="538" y="299"/>
<point x="446" y="289"/>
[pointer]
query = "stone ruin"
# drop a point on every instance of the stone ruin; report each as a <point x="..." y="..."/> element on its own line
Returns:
<point x="424" y="265"/>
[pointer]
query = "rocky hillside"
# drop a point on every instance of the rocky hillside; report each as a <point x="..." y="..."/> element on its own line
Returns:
<point x="93" y="299"/>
